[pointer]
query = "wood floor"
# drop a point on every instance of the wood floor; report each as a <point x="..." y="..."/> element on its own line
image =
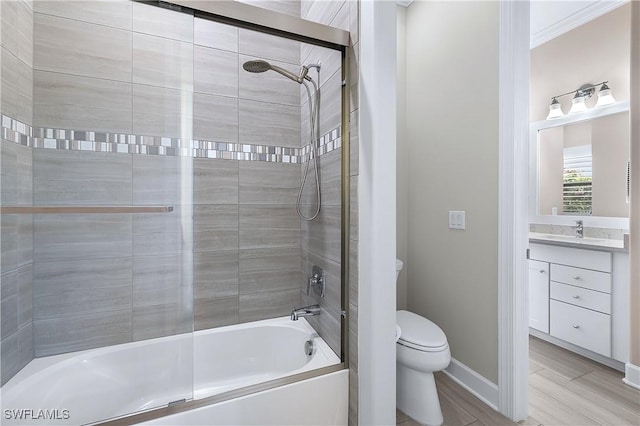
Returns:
<point x="565" y="389"/>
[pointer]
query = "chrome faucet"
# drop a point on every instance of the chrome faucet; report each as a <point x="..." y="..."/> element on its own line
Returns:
<point x="307" y="311"/>
<point x="579" y="229"/>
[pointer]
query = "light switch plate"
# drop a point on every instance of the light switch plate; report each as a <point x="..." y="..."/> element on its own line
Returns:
<point x="457" y="219"/>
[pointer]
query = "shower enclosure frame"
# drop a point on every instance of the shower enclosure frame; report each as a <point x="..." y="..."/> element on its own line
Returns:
<point x="265" y="21"/>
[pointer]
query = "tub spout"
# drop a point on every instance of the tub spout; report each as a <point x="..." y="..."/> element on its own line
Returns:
<point x="307" y="311"/>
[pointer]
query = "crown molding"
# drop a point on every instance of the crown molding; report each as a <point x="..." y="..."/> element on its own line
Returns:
<point x="581" y="17"/>
<point x="404" y="3"/>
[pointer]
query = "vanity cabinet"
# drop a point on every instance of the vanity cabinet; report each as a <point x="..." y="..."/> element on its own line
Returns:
<point x="587" y="298"/>
<point x="539" y="295"/>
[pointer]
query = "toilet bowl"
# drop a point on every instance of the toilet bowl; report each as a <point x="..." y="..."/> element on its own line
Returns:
<point x="421" y="349"/>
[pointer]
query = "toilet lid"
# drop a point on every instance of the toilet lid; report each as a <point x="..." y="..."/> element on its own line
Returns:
<point x="419" y="331"/>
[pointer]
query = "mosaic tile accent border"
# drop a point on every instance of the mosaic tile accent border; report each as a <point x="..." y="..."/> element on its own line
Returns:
<point x="77" y="140"/>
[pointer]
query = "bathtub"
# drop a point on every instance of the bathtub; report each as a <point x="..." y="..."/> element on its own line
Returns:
<point x="114" y="381"/>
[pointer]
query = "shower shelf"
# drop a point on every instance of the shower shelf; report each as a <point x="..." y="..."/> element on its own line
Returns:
<point x="84" y="209"/>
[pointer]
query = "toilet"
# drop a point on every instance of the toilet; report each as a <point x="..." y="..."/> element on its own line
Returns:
<point x="421" y="349"/>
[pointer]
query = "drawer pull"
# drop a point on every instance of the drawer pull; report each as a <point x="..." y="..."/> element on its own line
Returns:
<point x="576" y="277"/>
<point x="575" y="326"/>
<point x="576" y="297"/>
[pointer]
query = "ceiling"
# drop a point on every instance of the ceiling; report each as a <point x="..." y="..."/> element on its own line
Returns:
<point x="551" y="18"/>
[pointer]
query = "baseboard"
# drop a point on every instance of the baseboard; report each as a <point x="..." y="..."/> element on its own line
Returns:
<point x="632" y="375"/>
<point x="478" y="385"/>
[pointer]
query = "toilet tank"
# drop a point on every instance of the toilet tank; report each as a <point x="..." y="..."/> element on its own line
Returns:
<point x="399" y="265"/>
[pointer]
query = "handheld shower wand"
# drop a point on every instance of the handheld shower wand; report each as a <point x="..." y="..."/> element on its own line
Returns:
<point x="260" y="66"/>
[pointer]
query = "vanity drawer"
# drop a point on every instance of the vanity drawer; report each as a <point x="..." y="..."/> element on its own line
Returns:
<point x="594" y="280"/>
<point x="582" y="327"/>
<point x="579" y="296"/>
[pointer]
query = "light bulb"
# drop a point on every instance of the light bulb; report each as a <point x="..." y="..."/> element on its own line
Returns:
<point x="555" y="110"/>
<point x="604" y="96"/>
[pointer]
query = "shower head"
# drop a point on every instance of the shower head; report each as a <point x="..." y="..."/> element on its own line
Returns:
<point x="256" y="66"/>
<point x="259" y="66"/>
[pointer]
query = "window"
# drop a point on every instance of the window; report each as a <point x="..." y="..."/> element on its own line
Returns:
<point x="577" y="180"/>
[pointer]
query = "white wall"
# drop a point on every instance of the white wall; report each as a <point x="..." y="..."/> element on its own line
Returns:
<point x="377" y="214"/>
<point x="402" y="159"/>
<point x="452" y="142"/>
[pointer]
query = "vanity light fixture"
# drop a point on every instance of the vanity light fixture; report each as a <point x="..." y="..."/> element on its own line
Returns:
<point x="555" y="110"/>
<point x="604" y="96"/>
<point x="578" y="103"/>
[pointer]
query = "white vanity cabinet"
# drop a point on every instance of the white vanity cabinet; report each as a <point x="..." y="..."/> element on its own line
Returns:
<point x="588" y="292"/>
<point x="539" y="295"/>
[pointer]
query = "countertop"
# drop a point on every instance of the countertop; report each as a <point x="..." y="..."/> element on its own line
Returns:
<point x="601" y="244"/>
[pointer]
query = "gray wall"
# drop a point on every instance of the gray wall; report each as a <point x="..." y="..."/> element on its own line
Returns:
<point x="16" y="259"/>
<point x="452" y="136"/>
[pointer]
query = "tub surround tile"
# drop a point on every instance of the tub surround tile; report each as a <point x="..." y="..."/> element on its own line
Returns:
<point x="330" y="178"/>
<point x="215" y="274"/>
<point x="24" y="175"/>
<point x="10" y="355"/>
<point x="69" y="102"/>
<point x="60" y="237"/>
<point x="354" y="222"/>
<point x="354" y="140"/>
<point x="259" y="306"/>
<point x="268" y="183"/>
<point x="354" y="66"/>
<point x="154" y="20"/>
<point x="270" y="86"/>
<point x="323" y="12"/>
<point x="82" y="287"/>
<point x="268" y="270"/>
<point x="25" y="296"/>
<point x="113" y="13"/>
<point x="269" y="124"/>
<point x="215" y="227"/>
<point x="9" y="241"/>
<point x="331" y="104"/>
<point x="215" y="118"/>
<point x="150" y="322"/>
<point x="215" y="35"/>
<point x="260" y="45"/>
<point x="81" y="178"/>
<point x="353" y="272"/>
<point x="76" y="333"/>
<point x="9" y="304"/>
<point x="10" y="26"/>
<point x="160" y="280"/>
<point x="165" y="233"/>
<point x="331" y="61"/>
<point x="268" y="226"/>
<point x="215" y="181"/>
<point x="25" y="345"/>
<point x="160" y="179"/>
<point x="9" y="172"/>
<point x="322" y="235"/>
<point x="25" y="34"/>
<point x="215" y="71"/>
<point x="25" y="93"/>
<point x="9" y="69"/>
<point x="211" y="313"/>
<point x="162" y="62"/>
<point x="161" y="111"/>
<point x="80" y="48"/>
<point x="289" y="7"/>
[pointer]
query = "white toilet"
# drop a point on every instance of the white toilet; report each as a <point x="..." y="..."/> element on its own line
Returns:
<point x="421" y="350"/>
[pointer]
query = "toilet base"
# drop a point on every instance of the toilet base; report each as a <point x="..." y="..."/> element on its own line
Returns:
<point x="417" y="396"/>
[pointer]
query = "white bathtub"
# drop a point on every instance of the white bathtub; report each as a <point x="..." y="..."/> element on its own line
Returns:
<point x="98" y="384"/>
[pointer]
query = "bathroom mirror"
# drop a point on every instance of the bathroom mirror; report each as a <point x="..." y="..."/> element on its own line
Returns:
<point x="578" y="168"/>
